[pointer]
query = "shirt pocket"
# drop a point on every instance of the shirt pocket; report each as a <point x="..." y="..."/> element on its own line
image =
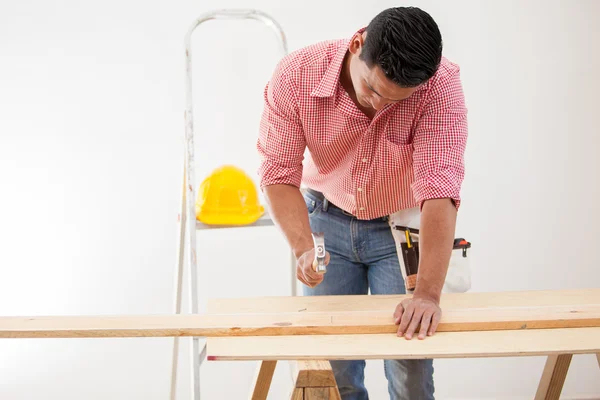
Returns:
<point x="398" y="155"/>
<point x="398" y="128"/>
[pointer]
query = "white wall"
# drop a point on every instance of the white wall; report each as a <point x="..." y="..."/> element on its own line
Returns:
<point x="91" y="126"/>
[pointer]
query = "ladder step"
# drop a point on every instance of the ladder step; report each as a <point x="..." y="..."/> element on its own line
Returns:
<point x="265" y="220"/>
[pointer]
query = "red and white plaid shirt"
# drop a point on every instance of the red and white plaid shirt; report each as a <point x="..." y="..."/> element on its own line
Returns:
<point x="411" y="151"/>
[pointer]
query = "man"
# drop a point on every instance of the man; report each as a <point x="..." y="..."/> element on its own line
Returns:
<point x="384" y="120"/>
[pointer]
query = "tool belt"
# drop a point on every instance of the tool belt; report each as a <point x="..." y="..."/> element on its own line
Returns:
<point x="404" y="225"/>
<point x="405" y="230"/>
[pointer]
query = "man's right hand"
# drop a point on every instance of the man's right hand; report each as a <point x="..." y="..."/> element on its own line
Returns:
<point x="288" y="210"/>
<point x="306" y="268"/>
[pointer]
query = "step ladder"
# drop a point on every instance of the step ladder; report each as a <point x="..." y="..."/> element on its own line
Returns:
<point x="187" y="215"/>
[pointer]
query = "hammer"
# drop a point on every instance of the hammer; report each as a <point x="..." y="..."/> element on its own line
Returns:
<point x="319" y="263"/>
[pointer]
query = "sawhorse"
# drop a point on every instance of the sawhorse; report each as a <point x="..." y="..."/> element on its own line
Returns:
<point x="312" y="380"/>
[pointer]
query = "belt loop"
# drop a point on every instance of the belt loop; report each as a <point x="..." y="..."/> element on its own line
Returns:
<point x="325" y="204"/>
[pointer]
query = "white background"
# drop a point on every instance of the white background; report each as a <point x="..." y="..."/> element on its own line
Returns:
<point x="91" y="128"/>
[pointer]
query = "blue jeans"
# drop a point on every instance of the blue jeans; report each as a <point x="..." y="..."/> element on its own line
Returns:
<point x="363" y="256"/>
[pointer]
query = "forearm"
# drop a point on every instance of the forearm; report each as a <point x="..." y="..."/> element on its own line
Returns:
<point x="288" y="211"/>
<point x="436" y="239"/>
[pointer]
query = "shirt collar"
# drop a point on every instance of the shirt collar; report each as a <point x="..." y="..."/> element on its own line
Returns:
<point x="331" y="79"/>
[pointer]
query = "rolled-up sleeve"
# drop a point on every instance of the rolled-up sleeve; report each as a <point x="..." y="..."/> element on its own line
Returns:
<point x="440" y="140"/>
<point x="281" y="142"/>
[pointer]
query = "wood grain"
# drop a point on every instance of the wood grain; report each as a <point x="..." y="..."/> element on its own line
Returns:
<point x="535" y="342"/>
<point x="328" y="393"/>
<point x="262" y="380"/>
<point x="553" y="377"/>
<point x="314" y="373"/>
<point x="325" y="315"/>
<point x="297" y="394"/>
<point x="389" y="302"/>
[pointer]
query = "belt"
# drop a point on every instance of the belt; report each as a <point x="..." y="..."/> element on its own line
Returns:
<point x="318" y="195"/>
<point x="327" y="204"/>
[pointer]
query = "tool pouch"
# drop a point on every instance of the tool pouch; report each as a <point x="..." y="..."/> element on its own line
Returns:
<point x="405" y="230"/>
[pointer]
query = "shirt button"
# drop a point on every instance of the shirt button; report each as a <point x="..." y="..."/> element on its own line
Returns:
<point x="362" y="209"/>
<point x="364" y="160"/>
<point x="359" y="189"/>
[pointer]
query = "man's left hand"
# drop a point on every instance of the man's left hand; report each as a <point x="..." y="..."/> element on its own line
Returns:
<point x="414" y="311"/>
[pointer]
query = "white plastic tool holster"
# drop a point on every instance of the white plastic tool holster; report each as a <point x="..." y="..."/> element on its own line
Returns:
<point x="458" y="278"/>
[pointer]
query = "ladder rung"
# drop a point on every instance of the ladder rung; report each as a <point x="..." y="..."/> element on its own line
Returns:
<point x="265" y="220"/>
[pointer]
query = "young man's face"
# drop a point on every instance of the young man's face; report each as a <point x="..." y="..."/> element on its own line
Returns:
<point x="372" y="88"/>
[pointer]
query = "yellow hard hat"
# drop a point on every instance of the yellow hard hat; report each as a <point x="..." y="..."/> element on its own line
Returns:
<point x="228" y="197"/>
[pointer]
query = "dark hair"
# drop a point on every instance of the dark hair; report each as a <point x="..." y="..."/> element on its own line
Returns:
<point x="406" y="43"/>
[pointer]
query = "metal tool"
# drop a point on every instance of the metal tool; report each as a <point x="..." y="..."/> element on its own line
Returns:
<point x="461" y="243"/>
<point x="410" y="254"/>
<point x="319" y="241"/>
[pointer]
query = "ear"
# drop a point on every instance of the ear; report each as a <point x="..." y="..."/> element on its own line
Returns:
<point x="356" y="43"/>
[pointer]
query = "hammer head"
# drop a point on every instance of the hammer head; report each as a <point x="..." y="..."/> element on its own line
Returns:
<point x="319" y="241"/>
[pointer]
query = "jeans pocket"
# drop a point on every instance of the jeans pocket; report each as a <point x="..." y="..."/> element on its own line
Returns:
<point x="312" y="204"/>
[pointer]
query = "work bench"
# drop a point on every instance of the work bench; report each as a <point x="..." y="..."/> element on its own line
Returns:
<point x="311" y="331"/>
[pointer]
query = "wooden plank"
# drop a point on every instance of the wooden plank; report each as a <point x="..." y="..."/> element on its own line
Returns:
<point x="528" y="315"/>
<point x="314" y="373"/>
<point x="334" y="393"/>
<point x="388" y="346"/>
<point x="553" y="377"/>
<point x="325" y="393"/>
<point x="262" y="380"/>
<point x="285" y="304"/>
<point x="313" y="323"/>
<point x="297" y="394"/>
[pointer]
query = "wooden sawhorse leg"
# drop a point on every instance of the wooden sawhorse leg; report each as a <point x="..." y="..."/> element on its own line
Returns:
<point x="262" y="380"/>
<point x="314" y="380"/>
<point x="553" y="377"/>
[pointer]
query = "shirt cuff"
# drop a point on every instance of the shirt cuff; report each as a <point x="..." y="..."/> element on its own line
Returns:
<point x="273" y="174"/>
<point x="436" y="187"/>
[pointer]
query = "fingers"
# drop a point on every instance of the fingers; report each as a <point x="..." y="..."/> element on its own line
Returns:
<point x="425" y="323"/>
<point x="306" y="279"/>
<point x="312" y="282"/>
<point x="300" y="276"/>
<point x="417" y="317"/>
<point x="414" y="323"/>
<point x="310" y="273"/>
<point x="398" y="313"/>
<point x="406" y="318"/>
<point x="434" y="322"/>
<point x="305" y="272"/>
